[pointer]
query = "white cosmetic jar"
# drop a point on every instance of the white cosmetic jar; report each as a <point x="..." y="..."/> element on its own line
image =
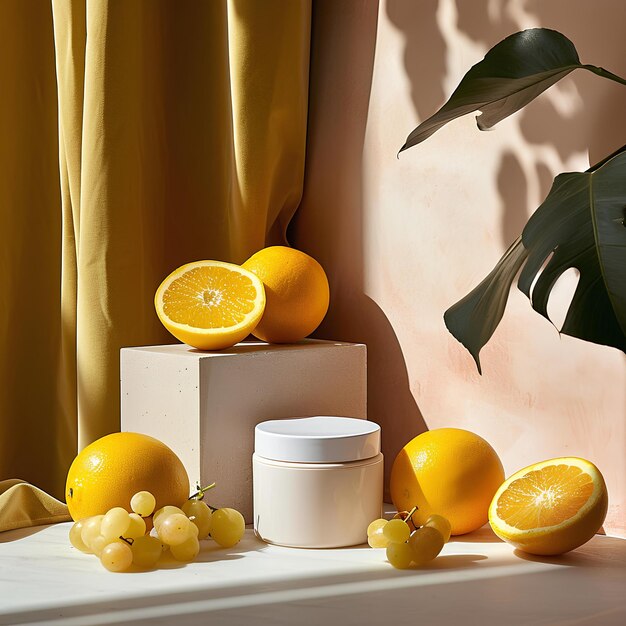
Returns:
<point x="317" y="481"/>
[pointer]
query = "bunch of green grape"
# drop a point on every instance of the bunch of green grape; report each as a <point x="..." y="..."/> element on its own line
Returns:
<point x="121" y="538"/>
<point x="406" y="548"/>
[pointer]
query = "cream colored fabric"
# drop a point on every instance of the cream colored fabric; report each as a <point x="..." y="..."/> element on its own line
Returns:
<point x="137" y="135"/>
<point x="23" y="505"/>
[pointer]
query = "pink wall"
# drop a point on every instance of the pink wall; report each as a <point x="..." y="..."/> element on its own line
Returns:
<point x="404" y="239"/>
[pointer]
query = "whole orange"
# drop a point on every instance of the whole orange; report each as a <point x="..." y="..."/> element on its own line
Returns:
<point x="448" y="471"/>
<point x="296" y="293"/>
<point x="109" y="471"/>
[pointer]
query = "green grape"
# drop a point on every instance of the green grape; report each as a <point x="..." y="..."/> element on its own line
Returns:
<point x="143" y="503"/>
<point x="441" y="524"/>
<point x="155" y="534"/>
<point x="136" y="528"/>
<point x="146" y="551"/>
<point x="163" y="512"/>
<point x="425" y="543"/>
<point x="399" y="555"/>
<point x="397" y="531"/>
<point x="375" y="525"/>
<point x="186" y="551"/>
<point x="91" y="529"/>
<point x="75" y="537"/>
<point x="200" y="514"/>
<point x="100" y="542"/>
<point x="115" y="523"/>
<point x="227" y="527"/>
<point x="193" y="530"/>
<point x="174" y="529"/>
<point x="117" y="556"/>
<point x="377" y="539"/>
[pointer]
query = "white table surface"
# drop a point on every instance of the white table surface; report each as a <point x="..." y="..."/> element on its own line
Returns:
<point x="476" y="580"/>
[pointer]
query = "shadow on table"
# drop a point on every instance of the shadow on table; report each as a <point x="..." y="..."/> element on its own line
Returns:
<point x="209" y="552"/>
<point x="452" y="561"/>
<point x="151" y="607"/>
<point x="482" y="535"/>
<point x="606" y="553"/>
<point x="451" y="588"/>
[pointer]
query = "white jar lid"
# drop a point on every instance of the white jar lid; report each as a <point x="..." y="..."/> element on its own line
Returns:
<point x="320" y="439"/>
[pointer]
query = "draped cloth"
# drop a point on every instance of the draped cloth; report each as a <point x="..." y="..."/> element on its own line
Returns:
<point x="137" y="135"/>
<point x="23" y="505"/>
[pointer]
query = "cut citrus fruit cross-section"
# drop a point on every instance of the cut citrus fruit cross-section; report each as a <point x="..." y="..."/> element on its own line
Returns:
<point x="550" y="507"/>
<point x="210" y="305"/>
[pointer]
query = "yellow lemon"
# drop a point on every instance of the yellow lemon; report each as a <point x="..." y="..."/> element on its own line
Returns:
<point x="297" y="293"/>
<point x="449" y="472"/>
<point x="111" y="470"/>
<point x="550" y="507"/>
<point x="210" y="305"/>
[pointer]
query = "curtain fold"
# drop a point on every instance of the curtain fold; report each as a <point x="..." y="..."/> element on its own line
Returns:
<point x="138" y="135"/>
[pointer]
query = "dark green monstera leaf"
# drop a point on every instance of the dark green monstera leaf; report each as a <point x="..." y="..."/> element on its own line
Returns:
<point x="512" y="74"/>
<point x="580" y="224"/>
<point x="474" y="319"/>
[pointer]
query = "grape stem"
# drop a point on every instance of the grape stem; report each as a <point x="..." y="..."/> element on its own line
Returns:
<point x="407" y="516"/>
<point x="201" y="491"/>
<point x="410" y="516"/>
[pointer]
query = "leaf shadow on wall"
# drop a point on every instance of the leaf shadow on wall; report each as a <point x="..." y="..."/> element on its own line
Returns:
<point x="513" y="192"/>
<point x="600" y="125"/>
<point x="565" y="129"/>
<point x="329" y="223"/>
<point x="581" y="114"/>
<point x="424" y="53"/>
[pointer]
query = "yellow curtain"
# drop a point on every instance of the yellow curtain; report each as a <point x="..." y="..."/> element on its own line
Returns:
<point x="137" y="135"/>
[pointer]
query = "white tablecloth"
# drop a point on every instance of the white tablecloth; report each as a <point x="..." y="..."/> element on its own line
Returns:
<point x="476" y="580"/>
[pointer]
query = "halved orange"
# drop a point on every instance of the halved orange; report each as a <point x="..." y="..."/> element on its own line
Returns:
<point x="550" y="507"/>
<point x="210" y="305"/>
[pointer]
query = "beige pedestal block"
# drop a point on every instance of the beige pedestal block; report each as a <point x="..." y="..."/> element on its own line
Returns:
<point x="205" y="405"/>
